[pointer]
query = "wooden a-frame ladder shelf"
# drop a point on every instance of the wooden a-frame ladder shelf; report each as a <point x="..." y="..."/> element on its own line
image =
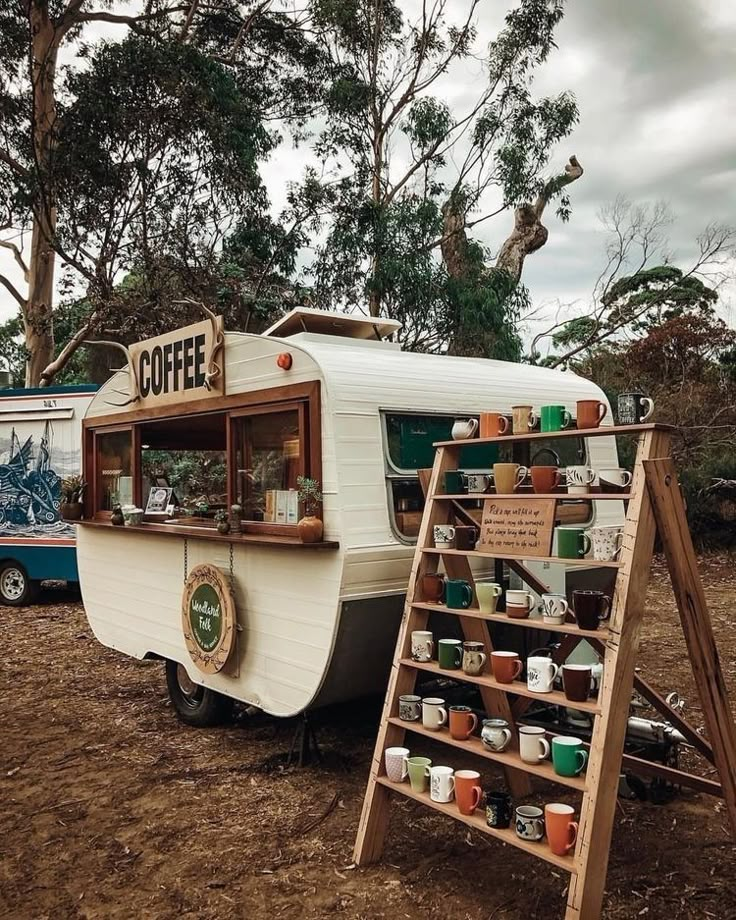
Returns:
<point x="654" y="504"/>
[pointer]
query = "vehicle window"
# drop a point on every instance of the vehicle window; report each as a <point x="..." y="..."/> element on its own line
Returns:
<point x="114" y="469"/>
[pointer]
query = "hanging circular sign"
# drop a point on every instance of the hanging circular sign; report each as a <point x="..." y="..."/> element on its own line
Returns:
<point x="208" y="618"/>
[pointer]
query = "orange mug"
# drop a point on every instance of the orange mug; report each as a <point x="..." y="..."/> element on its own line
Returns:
<point x="463" y="722"/>
<point x="545" y="479"/>
<point x="506" y="666"/>
<point x="562" y="831"/>
<point x="493" y="425"/>
<point x="590" y="413"/>
<point x="467" y="791"/>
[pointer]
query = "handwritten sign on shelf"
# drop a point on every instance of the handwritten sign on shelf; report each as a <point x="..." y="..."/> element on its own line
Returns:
<point x="520" y="528"/>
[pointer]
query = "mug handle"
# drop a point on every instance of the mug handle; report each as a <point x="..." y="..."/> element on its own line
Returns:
<point x="518" y="668"/>
<point x="521" y="475"/>
<point x="451" y="780"/>
<point x="506" y="732"/>
<point x="477" y="796"/>
<point x="404" y="768"/>
<point x="557" y="478"/>
<point x="572" y="826"/>
<point x="650" y="402"/>
<point x="483" y="660"/>
<point x="531" y="602"/>
<point x="473" y="427"/>
<point x="538" y="826"/>
<point x="497" y="591"/>
<point x="473" y="723"/>
<point x="545" y="749"/>
<point x="556" y="669"/>
<point x="431" y="648"/>
<point x="532" y="423"/>
<point x="586" y="549"/>
<point x="565" y="606"/>
<point x="468" y="592"/>
<point x="583" y="755"/>
<point x="458" y="655"/>
<point x="442" y="712"/>
<point x="566" y="419"/>
<point x="620" y="542"/>
<point x="590" y="474"/>
<point x="627" y="482"/>
<point x="503" y="424"/>
<point x="602" y="415"/>
<point x="427" y="772"/>
<point x="606" y="608"/>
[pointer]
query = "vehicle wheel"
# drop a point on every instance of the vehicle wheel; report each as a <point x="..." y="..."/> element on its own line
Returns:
<point x="195" y="705"/>
<point x="16" y="588"/>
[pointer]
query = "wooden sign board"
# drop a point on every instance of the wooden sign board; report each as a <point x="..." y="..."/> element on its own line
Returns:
<point x="181" y="366"/>
<point x="208" y="618"/>
<point x="521" y="528"/>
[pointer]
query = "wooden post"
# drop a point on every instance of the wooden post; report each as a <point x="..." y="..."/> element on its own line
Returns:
<point x="669" y="511"/>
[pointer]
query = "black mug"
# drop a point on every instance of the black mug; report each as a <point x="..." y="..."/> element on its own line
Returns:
<point x="590" y="607"/>
<point x="466" y="536"/>
<point x="634" y="408"/>
<point x="498" y="809"/>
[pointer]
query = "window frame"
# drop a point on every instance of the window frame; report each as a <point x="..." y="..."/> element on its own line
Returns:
<point x="94" y="493"/>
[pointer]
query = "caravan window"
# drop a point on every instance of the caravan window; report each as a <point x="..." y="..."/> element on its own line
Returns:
<point x="114" y="476"/>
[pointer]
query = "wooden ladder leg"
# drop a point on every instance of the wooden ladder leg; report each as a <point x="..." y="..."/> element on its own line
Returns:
<point x="669" y="512"/>
<point x="587" y="885"/>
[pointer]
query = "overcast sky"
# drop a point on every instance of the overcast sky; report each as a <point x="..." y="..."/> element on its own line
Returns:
<point x="656" y="87"/>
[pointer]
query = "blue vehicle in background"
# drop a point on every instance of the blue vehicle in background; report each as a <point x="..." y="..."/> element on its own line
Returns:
<point x="40" y="444"/>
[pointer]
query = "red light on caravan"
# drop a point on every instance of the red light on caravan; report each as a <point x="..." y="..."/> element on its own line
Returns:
<point x="285" y="361"/>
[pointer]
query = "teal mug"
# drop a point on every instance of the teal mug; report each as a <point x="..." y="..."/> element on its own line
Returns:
<point x="572" y="542"/>
<point x="555" y="418"/>
<point x="458" y="593"/>
<point x="450" y="654"/>
<point x="569" y="757"/>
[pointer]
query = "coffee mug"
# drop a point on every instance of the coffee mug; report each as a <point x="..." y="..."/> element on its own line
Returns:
<point x="533" y="746"/>
<point x="634" y="408"/>
<point x="529" y="822"/>
<point x="614" y="479"/>
<point x="455" y="483"/>
<point x="540" y="674"/>
<point x="572" y="543"/>
<point x="467" y="791"/>
<point x="506" y="666"/>
<point x="576" y="681"/>
<point x="590" y="413"/>
<point x="478" y="483"/>
<point x="519" y="604"/>
<point x="434" y="714"/>
<point x="418" y="768"/>
<point x="579" y="479"/>
<point x="590" y="608"/>
<point x="523" y="419"/>
<point x="507" y="477"/>
<point x="495" y="735"/>
<point x="422" y="645"/>
<point x="474" y="658"/>
<point x="441" y="784"/>
<point x="545" y="479"/>
<point x="463" y="722"/>
<point x="605" y="542"/>
<point x="466" y="536"/>
<point x="561" y="830"/>
<point x="498" y="808"/>
<point x="464" y="429"/>
<point x="569" y="757"/>
<point x="450" y="654"/>
<point x="433" y="588"/>
<point x="493" y="425"/>
<point x="410" y="707"/>
<point x="554" y="418"/>
<point x="444" y="536"/>
<point x="458" y="593"/>
<point x="488" y="593"/>
<point x="554" y="609"/>
<point x="396" y="768"/>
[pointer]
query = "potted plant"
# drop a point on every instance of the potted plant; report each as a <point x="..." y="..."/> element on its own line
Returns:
<point x="310" y="527"/>
<point x="72" y="492"/>
<point x="222" y="521"/>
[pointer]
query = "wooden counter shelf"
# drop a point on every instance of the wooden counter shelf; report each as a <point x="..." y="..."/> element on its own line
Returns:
<point x="567" y="433"/>
<point x="515" y="557"/>
<point x="558" y="496"/>
<point x="478" y="821"/>
<point x="538" y="623"/>
<point x="209" y="533"/>
<point x="518" y="687"/>
<point x="473" y="745"/>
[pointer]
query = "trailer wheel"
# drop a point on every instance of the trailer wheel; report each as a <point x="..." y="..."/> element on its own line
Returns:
<point x="195" y="705"/>
<point x="16" y="588"/>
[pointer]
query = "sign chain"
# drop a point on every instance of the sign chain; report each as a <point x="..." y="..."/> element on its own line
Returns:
<point x="186" y="558"/>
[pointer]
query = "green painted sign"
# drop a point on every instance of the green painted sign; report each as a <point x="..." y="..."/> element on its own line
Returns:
<point x="205" y="617"/>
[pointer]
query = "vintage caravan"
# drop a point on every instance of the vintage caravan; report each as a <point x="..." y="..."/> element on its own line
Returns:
<point x="40" y="438"/>
<point x="277" y="623"/>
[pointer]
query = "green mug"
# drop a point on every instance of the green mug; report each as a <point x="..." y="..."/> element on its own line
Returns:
<point x="450" y="654"/>
<point x="572" y="542"/>
<point x="569" y="757"/>
<point x="555" y="418"/>
<point x="419" y="772"/>
<point x="455" y="482"/>
<point x="458" y="593"/>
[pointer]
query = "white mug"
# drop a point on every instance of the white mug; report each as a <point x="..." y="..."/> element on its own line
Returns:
<point x="616" y="477"/>
<point x="422" y="645"/>
<point x="488" y="593"/>
<point x="434" y="714"/>
<point x="464" y="429"/>
<point x="496" y="734"/>
<point x="519" y="604"/>
<point x="441" y="784"/>
<point x="554" y="608"/>
<point x="533" y="746"/>
<point x="444" y="536"/>
<point x="540" y="673"/>
<point x="396" y="766"/>
<point x="606" y="542"/>
<point x="579" y="479"/>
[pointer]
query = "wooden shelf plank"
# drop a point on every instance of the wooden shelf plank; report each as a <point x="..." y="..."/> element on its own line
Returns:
<point x="543" y="769"/>
<point x="505" y="835"/>
<point x="605" y="431"/>
<point x="558" y="496"/>
<point x="532" y="623"/>
<point x="554" y="698"/>
<point x="560" y="560"/>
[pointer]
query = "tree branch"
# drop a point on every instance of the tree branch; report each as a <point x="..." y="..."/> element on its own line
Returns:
<point x="6" y="244"/>
<point x="13" y="164"/>
<point x="11" y="288"/>
<point x="116" y="18"/>
<point x="64" y="356"/>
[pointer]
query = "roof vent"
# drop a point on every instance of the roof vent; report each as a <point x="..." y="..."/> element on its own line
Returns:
<point x="330" y="322"/>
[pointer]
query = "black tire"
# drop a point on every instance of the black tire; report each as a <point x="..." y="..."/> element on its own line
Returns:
<point x="195" y="705"/>
<point x="16" y="588"/>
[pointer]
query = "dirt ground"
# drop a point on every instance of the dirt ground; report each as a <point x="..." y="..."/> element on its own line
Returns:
<point x="113" y="809"/>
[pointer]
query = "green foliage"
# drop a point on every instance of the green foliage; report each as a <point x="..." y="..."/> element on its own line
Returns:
<point x="309" y="493"/>
<point x="12" y="350"/>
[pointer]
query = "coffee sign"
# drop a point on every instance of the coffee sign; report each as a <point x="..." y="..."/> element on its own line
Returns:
<point x="208" y="618"/>
<point x="518" y="527"/>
